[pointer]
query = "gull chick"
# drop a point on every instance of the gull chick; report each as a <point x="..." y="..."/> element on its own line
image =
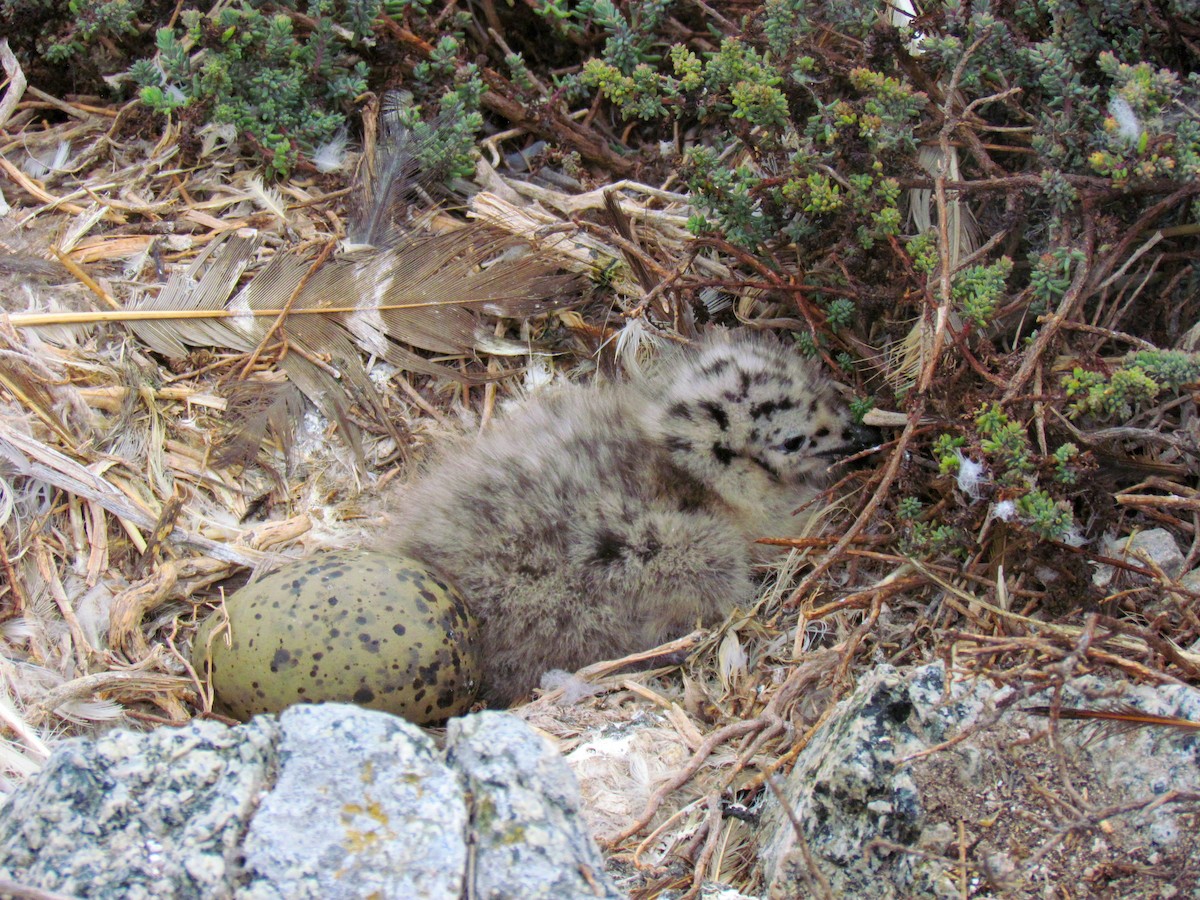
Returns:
<point x="597" y="521"/>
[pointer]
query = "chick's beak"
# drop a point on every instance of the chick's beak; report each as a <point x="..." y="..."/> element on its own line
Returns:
<point x="855" y="439"/>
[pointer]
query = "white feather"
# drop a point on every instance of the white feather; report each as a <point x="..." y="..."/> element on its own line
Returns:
<point x="214" y="137"/>
<point x="82" y="712"/>
<point x="574" y="689"/>
<point x="16" y="631"/>
<point x="1005" y="510"/>
<point x="1129" y="126"/>
<point x="82" y="224"/>
<point x="731" y="659"/>
<point x="963" y="230"/>
<point x="1074" y="537"/>
<point x="269" y="199"/>
<point x="971" y="475"/>
<point x="331" y="155"/>
<point x="6" y="502"/>
<point x="715" y="300"/>
<point x="634" y="341"/>
<point x="34" y="747"/>
<point x="902" y="13"/>
<point x="15" y="760"/>
<point x="539" y="372"/>
<point x="44" y="163"/>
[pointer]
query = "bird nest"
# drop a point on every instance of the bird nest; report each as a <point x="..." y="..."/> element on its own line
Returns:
<point x="202" y="375"/>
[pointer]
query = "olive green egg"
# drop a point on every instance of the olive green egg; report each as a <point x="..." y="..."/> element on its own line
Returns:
<point x="354" y="626"/>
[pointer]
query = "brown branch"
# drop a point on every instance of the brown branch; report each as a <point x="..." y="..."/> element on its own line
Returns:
<point x="889" y="475"/>
<point x="863" y="598"/>
<point x="1144" y="221"/>
<point x="712" y="825"/>
<point x="1158" y="644"/>
<point x="1101" y="188"/>
<point x="816" y="878"/>
<point x="703" y="752"/>
<point x="543" y="120"/>
<point x="1049" y="332"/>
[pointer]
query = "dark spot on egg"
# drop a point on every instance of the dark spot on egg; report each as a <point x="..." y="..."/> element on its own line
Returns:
<point x="364" y="695"/>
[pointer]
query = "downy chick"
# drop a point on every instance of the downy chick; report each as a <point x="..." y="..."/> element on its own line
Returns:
<point x="597" y="521"/>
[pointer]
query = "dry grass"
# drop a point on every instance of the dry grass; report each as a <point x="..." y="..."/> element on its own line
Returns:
<point x="124" y="515"/>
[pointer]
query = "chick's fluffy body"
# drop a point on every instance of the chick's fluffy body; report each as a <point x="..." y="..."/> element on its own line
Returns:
<point x="599" y="521"/>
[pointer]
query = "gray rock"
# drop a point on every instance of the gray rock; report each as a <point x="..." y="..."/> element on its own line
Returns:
<point x="1006" y="767"/>
<point x="526" y="813"/>
<point x="331" y="801"/>
<point x="712" y="890"/>
<point x="864" y="777"/>
<point x="846" y="790"/>
<point x="134" y="816"/>
<point x="364" y="806"/>
<point x="1156" y="544"/>
<point x="1143" y="762"/>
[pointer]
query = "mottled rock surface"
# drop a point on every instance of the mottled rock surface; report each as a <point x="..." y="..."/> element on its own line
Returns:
<point x="881" y="808"/>
<point x="133" y="816"/>
<point x="1157" y="545"/>
<point x="363" y="806"/>
<point x="848" y="789"/>
<point x="329" y="801"/>
<point x="525" y="816"/>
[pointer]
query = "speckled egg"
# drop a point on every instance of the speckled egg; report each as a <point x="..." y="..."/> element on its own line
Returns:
<point x="355" y="626"/>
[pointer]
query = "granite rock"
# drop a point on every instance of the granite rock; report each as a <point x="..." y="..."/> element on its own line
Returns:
<point x="328" y="801"/>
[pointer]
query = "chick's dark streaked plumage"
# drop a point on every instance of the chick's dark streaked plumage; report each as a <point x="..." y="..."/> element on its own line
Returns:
<point x="599" y="521"/>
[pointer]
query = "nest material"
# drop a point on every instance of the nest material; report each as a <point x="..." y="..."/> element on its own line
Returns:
<point x="125" y="513"/>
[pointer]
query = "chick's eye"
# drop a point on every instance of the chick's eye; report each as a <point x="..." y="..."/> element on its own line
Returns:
<point x="792" y="444"/>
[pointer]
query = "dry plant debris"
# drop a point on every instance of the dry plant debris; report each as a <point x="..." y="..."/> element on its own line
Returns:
<point x="198" y="377"/>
